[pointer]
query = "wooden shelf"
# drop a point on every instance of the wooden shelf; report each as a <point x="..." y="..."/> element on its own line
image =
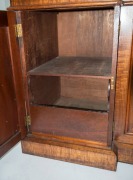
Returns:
<point x="75" y="66"/>
<point x="81" y="104"/>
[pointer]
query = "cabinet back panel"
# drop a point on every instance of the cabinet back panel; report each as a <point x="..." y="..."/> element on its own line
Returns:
<point x="71" y="92"/>
<point x="40" y="37"/>
<point x="86" y="33"/>
<point x="85" y="88"/>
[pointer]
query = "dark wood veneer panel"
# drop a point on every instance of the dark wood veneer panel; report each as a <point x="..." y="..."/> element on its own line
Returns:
<point x="3" y="19"/>
<point x="70" y="123"/>
<point x="8" y="107"/>
<point x="17" y="71"/>
<point x="44" y="90"/>
<point x="9" y="144"/>
<point x="86" y="33"/>
<point x="40" y="37"/>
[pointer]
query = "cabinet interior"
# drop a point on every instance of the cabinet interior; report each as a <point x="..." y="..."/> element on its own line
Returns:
<point x="70" y="44"/>
<point x="69" y="61"/>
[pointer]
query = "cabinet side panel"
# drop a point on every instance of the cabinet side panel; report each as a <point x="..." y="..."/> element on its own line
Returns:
<point x="40" y="37"/>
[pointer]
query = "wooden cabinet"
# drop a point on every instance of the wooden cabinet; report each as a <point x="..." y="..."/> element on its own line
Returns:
<point x="72" y="73"/>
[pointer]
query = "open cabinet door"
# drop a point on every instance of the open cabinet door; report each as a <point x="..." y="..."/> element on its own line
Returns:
<point x="10" y="131"/>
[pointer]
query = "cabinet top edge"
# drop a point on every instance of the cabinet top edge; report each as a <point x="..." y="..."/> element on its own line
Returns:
<point x="60" y="4"/>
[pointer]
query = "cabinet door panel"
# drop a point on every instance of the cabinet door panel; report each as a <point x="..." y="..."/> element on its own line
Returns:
<point x="124" y="88"/>
<point x="16" y="60"/>
<point x="8" y="110"/>
<point x="123" y="67"/>
<point x="9" y="125"/>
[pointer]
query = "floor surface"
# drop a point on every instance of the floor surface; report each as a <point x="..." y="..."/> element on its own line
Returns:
<point x="17" y="166"/>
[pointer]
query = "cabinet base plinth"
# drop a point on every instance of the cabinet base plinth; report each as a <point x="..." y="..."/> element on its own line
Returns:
<point x="125" y="152"/>
<point x="100" y="158"/>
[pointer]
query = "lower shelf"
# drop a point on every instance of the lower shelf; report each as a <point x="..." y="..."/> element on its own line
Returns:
<point x="99" y="158"/>
<point x="71" y="92"/>
<point x="75" y="66"/>
<point x="81" y="103"/>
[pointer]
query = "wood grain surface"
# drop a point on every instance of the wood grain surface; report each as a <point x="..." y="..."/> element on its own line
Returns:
<point x="123" y="71"/>
<point x="8" y="107"/>
<point x="124" y="152"/>
<point x="40" y="40"/>
<point x="117" y="10"/>
<point x="87" y="33"/>
<point x="71" y="92"/>
<point x="124" y="84"/>
<point x="85" y="36"/>
<point x="9" y="125"/>
<point x="100" y="158"/>
<point x="17" y="72"/>
<point x="49" y="4"/>
<point x="75" y="66"/>
<point x="69" y="123"/>
<point x="5" y="147"/>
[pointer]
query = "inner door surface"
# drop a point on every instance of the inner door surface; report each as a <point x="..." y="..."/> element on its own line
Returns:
<point x="9" y="126"/>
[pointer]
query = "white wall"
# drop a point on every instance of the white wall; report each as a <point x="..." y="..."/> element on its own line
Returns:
<point x="4" y="4"/>
<point x="7" y="3"/>
<point x="18" y="166"/>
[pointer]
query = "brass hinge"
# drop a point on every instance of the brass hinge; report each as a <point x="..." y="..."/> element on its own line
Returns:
<point x="112" y="83"/>
<point x="18" y="30"/>
<point x="28" y="122"/>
